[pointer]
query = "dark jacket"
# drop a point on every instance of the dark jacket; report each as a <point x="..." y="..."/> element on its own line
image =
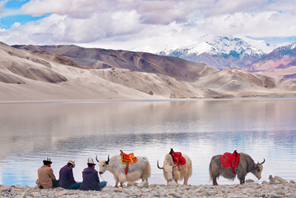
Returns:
<point x="66" y="177"/>
<point x="90" y="180"/>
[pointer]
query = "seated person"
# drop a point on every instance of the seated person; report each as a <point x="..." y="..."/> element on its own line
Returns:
<point x="90" y="177"/>
<point x="66" y="179"/>
<point x="46" y="178"/>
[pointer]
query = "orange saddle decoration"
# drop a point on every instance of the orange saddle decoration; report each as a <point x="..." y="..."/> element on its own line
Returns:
<point x="127" y="159"/>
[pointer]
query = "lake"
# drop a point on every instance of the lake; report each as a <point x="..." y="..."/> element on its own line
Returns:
<point x="263" y="128"/>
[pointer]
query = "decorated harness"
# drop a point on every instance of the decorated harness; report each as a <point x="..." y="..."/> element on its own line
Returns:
<point x="127" y="159"/>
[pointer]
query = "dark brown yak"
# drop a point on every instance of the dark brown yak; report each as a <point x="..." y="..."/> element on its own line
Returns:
<point x="245" y="165"/>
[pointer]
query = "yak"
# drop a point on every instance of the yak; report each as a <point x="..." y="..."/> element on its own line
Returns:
<point x="138" y="170"/>
<point x="245" y="165"/>
<point x="176" y="172"/>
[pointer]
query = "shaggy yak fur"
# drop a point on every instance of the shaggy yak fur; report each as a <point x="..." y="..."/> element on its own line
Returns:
<point x="245" y="165"/>
<point x="171" y="171"/>
<point x="138" y="170"/>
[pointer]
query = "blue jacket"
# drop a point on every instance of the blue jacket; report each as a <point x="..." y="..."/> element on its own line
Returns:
<point x="66" y="177"/>
<point x="90" y="180"/>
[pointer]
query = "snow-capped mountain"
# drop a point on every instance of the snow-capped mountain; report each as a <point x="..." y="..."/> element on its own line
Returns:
<point x="280" y="63"/>
<point x="222" y="51"/>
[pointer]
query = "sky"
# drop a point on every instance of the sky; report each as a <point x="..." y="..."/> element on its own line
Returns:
<point x="146" y="25"/>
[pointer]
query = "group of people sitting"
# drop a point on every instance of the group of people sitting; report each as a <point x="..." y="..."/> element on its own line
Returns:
<point x="46" y="178"/>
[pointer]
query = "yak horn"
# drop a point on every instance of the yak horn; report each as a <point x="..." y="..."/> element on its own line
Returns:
<point x="176" y="164"/>
<point x="97" y="159"/>
<point x="158" y="165"/>
<point x="263" y="161"/>
<point x="107" y="162"/>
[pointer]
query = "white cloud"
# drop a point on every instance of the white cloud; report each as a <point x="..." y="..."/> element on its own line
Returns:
<point x="147" y="24"/>
<point x="16" y="25"/>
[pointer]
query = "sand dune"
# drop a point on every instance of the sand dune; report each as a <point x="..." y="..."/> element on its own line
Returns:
<point x="235" y="80"/>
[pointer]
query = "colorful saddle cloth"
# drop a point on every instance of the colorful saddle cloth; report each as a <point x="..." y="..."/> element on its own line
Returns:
<point x="127" y="159"/>
<point x="230" y="160"/>
<point x="177" y="156"/>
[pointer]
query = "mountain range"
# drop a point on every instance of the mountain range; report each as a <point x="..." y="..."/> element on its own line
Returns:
<point x="69" y="72"/>
<point x="244" y="53"/>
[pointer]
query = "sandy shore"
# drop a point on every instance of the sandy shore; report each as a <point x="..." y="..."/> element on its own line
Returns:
<point x="276" y="189"/>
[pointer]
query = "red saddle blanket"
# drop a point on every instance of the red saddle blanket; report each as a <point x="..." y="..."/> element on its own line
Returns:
<point x="230" y="160"/>
<point x="177" y="156"/>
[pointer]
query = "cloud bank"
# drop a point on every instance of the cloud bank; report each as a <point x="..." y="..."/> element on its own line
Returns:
<point x="147" y="24"/>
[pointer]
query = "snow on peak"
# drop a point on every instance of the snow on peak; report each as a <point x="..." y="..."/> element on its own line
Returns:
<point x="222" y="45"/>
<point x="293" y="46"/>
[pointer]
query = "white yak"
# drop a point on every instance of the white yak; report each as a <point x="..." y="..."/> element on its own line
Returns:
<point x="138" y="170"/>
<point x="171" y="171"/>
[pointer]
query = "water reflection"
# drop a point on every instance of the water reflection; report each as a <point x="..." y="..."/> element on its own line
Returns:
<point x="201" y="129"/>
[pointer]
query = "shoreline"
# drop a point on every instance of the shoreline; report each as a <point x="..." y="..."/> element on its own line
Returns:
<point x="275" y="189"/>
<point x="130" y="101"/>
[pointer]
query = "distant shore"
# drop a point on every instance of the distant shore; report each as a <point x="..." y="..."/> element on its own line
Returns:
<point x="258" y="97"/>
<point x="272" y="189"/>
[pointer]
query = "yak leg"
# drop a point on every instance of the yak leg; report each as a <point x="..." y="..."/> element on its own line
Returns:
<point x="215" y="181"/>
<point x="242" y="181"/>
<point x="241" y="178"/>
<point x="176" y="180"/>
<point x="185" y="179"/>
<point x="116" y="181"/>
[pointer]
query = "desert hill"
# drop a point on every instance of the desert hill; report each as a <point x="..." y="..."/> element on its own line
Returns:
<point x="235" y="80"/>
<point x="135" y="61"/>
<point x="43" y="76"/>
<point x="26" y="75"/>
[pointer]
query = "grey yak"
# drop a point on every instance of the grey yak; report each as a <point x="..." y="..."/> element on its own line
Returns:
<point x="245" y="165"/>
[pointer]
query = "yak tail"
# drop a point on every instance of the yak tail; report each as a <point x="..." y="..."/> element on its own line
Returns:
<point x="146" y="170"/>
<point x="149" y="170"/>
<point x="190" y="170"/>
<point x="210" y="171"/>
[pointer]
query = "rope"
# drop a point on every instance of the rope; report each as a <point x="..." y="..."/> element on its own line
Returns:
<point x="8" y="192"/>
<point x="104" y="180"/>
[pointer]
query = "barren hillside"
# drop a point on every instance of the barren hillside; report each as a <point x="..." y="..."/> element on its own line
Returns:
<point x="27" y="76"/>
<point x="135" y="61"/>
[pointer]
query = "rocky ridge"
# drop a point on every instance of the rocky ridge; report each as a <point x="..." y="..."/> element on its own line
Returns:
<point x="275" y="188"/>
<point x="221" y="52"/>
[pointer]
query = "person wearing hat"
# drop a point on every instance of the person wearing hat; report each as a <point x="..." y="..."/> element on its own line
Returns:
<point x="90" y="177"/>
<point x="46" y="178"/>
<point x="66" y="179"/>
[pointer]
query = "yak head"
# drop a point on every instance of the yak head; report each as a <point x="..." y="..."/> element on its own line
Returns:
<point x="168" y="171"/>
<point x="103" y="165"/>
<point x="257" y="169"/>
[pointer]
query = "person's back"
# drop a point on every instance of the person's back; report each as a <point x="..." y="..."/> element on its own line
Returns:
<point x="66" y="179"/>
<point x="45" y="175"/>
<point x="91" y="179"/>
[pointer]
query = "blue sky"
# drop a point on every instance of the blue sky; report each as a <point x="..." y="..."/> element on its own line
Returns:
<point x="13" y="14"/>
<point x="142" y="24"/>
